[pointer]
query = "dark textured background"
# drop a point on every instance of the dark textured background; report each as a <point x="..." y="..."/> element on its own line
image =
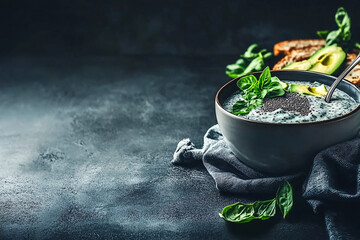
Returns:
<point x="180" y="27"/>
<point x="95" y="95"/>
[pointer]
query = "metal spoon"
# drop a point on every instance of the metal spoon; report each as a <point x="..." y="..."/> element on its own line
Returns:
<point x="341" y="77"/>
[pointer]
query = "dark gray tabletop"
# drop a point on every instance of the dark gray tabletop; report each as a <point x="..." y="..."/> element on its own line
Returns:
<point x="86" y="145"/>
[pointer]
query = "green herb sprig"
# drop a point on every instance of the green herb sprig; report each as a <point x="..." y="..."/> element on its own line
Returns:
<point x="249" y="62"/>
<point x="262" y="210"/>
<point x="254" y="91"/>
<point x="342" y="35"/>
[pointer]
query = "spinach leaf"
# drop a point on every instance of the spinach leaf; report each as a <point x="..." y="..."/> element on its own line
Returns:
<point x="342" y="35"/>
<point x="248" y="62"/>
<point x="242" y="213"/>
<point x="284" y="198"/>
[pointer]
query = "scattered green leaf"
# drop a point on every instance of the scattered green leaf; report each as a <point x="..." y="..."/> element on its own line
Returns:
<point x="249" y="62"/>
<point x="284" y="198"/>
<point x="342" y="35"/>
<point x="238" y="213"/>
<point x="242" y="213"/>
<point x="264" y="209"/>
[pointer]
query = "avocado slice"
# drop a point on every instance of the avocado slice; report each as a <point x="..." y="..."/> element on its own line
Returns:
<point x="319" y="91"/>
<point x="327" y="59"/>
<point x="302" y="65"/>
<point x="299" y="89"/>
<point x="284" y="85"/>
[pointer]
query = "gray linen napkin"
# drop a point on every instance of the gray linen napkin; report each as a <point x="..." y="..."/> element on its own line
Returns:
<point x="332" y="187"/>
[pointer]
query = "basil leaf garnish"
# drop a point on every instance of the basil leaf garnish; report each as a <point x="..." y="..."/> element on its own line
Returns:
<point x="264" y="92"/>
<point x="256" y="102"/>
<point x="242" y="213"/>
<point x="284" y="198"/>
<point x="265" y="76"/>
<point x="254" y="91"/>
<point x="275" y="89"/>
<point x="247" y="83"/>
<point x="240" y="108"/>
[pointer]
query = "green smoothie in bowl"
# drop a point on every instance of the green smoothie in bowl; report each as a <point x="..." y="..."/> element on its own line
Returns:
<point x="277" y="121"/>
<point x="269" y="99"/>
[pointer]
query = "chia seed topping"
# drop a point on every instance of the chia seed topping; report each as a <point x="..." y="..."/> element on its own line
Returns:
<point x="294" y="102"/>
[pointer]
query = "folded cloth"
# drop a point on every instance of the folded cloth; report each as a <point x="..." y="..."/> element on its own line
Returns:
<point x="229" y="173"/>
<point x="332" y="188"/>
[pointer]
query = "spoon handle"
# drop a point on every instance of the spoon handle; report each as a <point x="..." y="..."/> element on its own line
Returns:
<point x="341" y="76"/>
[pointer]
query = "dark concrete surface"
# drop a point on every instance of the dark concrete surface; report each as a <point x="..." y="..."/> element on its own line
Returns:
<point x="86" y="145"/>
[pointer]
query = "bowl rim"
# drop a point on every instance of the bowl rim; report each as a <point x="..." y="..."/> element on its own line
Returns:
<point x="349" y="114"/>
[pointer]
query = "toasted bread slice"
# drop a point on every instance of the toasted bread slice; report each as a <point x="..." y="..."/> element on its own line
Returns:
<point x="286" y="47"/>
<point x="354" y="75"/>
<point x="296" y="55"/>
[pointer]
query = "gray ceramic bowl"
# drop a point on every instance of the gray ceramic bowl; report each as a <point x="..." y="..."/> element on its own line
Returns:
<point x="282" y="148"/>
